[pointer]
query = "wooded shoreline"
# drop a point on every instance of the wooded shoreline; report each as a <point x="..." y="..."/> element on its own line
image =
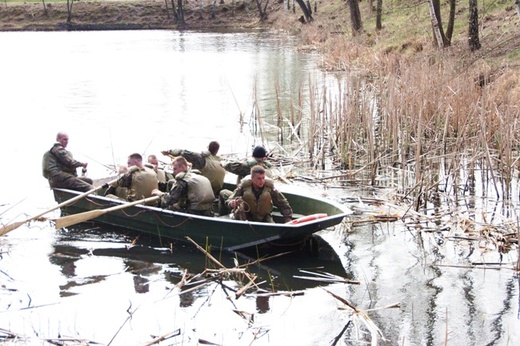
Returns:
<point x="128" y="15"/>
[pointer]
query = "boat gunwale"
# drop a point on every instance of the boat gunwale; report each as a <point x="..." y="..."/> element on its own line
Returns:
<point x="222" y="218"/>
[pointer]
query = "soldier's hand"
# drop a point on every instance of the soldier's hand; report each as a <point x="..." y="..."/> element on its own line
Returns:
<point x="234" y="203"/>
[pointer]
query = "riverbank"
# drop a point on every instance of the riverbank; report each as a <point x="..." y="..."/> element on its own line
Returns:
<point x="125" y="15"/>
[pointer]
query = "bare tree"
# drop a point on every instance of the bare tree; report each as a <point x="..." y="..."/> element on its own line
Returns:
<point x="309" y="6"/>
<point x="180" y="13"/>
<point x="473" y="39"/>
<point x="69" y="10"/>
<point x="44" y="7"/>
<point x="214" y="9"/>
<point x="379" y="14"/>
<point x="167" y="10"/>
<point x="262" y="12"/>
<point x="307" y="12"/>
<point x="355" y="16"/>
<point x="174" y="11"/>
<point x="451" y="20"/>
<point x="438" y="32"/>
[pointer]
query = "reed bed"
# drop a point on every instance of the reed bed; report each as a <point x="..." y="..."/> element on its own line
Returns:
<point x="439" y="133"/>
<point x="424" y="126"/>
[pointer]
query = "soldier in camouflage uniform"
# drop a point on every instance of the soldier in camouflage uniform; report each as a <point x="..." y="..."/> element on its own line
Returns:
<point x="162" y="176"/>
<point x="59" y="167"/>
<point x="207" y="162"/>
<point x="242" y="169"/>
<point x="137" y="183"/>
<point x="191" y="193"/>
<point x="255" y="197"/>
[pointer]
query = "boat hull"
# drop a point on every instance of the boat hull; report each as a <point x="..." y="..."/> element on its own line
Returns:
<point x="216" y="232"/>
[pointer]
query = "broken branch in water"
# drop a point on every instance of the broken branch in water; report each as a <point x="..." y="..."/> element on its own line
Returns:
<point x="65" y="341"/>
<point x="325" y="277"/>
<point x="279" y="293"/>
<point x="206" y="253"/>
<point x="161" y="338"/>
<point x="241" y="291"/>
<point x="12" y="335"/>
<point x="362" y="315"/>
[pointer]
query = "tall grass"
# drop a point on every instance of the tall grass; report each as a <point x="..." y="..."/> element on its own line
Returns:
<point x="439" y="112"/>
<point x="422" y="125"/>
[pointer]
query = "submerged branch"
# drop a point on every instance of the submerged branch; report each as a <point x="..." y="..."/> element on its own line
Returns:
<point x="161" y="338"/>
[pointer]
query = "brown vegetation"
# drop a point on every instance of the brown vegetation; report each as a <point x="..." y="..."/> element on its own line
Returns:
<point x="123" y="15"/>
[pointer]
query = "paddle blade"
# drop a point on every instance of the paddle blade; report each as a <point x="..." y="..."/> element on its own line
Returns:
<point x="88" y="215"/>
<point x="73" y="219"/>
<point x="8" y="228"/>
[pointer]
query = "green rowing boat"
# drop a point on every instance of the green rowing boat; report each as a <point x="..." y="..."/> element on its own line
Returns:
<point x="217" y="232"/>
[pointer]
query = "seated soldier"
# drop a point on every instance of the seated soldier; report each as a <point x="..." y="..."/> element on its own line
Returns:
<point x="255" y="197"/>
<point x="190" y="193"/>
<point x="59" y="167"/>
<point x="162" y="176"/>
<point x="139" y="181"/>
<point x="207" y="162"/>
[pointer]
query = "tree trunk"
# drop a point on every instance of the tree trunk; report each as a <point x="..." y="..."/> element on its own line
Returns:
<point x="265" y="8"/>
<point x="260" y="11"/>
<point x="213" y="10"/>
<point x="451" y="21"/>
<point x="167" y="9"/>
<point x="436" y="23"/>
<point x="306" y="12"/>
<point x="517" y="4"/>
<point x="355" y="16"/>
<point x="309" y="7"/>
<point x="180" y="12"/>
<point x="379" y="14"/>
<point x="174" y="11"/>
<point x="69" y="10"/>
<point x="473" y="40"/>
<point x="44" y="7"/>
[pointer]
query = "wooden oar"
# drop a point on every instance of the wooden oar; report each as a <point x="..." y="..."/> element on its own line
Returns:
<point x="15" y="225"/>
<point x="92" y="214"/>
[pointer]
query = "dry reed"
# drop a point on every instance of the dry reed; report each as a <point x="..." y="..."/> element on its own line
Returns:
<point x="428" y="119"/>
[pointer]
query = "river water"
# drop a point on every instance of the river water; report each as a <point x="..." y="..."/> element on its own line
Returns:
<point x="116" y="93"/>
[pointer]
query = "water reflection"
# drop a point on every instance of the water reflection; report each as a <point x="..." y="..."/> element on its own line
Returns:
<point x="146" y="260"/>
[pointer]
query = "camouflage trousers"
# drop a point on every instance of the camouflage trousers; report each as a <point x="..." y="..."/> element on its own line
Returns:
<point x="69" y="181"/>
<point x="223" y="196"/>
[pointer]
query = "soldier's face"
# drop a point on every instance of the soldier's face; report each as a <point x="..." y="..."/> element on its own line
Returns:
<point x="63" y="140"/>
<point x="258" y="180"/>
<point x="131" y="162"/>
<point x="177" y="168"/>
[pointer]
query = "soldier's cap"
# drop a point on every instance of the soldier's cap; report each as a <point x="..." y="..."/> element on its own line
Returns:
<point x="259" y="152"/>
